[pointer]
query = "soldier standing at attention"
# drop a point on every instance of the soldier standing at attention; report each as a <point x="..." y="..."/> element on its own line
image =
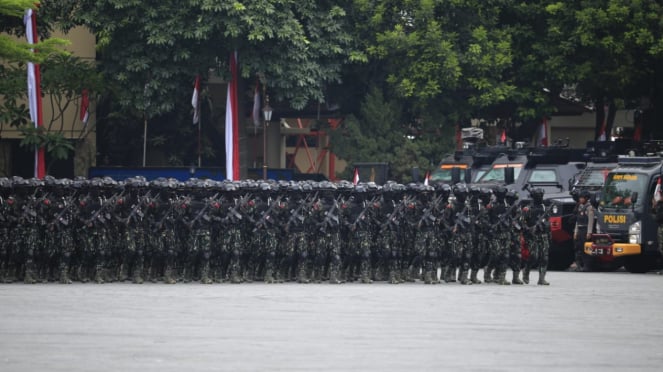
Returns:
<point x="584" y="227"/>
<point x="657" y="210"/>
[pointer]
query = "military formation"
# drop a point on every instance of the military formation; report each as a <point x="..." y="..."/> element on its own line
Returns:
<point x="101" y="230"/>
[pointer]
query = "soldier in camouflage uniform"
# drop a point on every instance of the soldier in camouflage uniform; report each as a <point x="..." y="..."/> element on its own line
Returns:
<point x="358" y="221"/>
<point x="63" y="225"/>
<point x="499" y="222"/>
<point x="7" y="222"/>
<point x="515" y="235"/>
<point x="425" y="243"/>
<point x="295" y="261"/>
<point x="483" y="235"/>
<point x="462" y="235"/>
<point x="24" y="211"/>
<point x="537" y="236"/>
<point x="326" y="247"/>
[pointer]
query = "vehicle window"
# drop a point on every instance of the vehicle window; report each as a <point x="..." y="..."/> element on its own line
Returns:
<point x="479" y="174"/>
<point x="496" y="173"/>
<point x="620" y="186"/>
<point x="543" y="175"/>
<point x="441" y="175"/>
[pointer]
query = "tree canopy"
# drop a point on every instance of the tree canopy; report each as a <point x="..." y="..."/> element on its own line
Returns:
<point x="404" y="72"/>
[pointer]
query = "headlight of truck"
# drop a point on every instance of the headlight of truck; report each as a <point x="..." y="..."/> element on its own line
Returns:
<point x="554" y="209"/>
<point x="634" y="233"/>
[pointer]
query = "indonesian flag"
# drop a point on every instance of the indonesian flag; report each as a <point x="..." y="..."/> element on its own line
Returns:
<point x="232" y="123"/>
<point x="34" y="90"/>
<point x="657" y="190"/>
<point x="602" y="134"/>
<point x="195" y="100"/>
<point x="355" y="177"/>
<point x="426" y="178"/>
<point x="543" y="133"/>
<point x="85" y="107"/>
<point x="255" y="113"/>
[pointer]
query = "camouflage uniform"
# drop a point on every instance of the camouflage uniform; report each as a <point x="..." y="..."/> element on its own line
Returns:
<point x="537" y="236"/>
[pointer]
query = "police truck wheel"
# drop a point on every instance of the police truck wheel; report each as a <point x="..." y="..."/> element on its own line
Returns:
<point x="637" y="264"/>
<point x="561" y="256"/>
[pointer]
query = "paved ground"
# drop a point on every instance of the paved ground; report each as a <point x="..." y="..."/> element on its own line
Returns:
<point x="583" y="321"/>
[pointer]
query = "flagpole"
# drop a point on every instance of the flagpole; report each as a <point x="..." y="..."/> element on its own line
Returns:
<point x="200" y="148"/>
<point x="144" y="138"/>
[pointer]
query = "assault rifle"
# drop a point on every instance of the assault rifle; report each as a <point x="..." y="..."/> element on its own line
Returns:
<point x="136" y="209"/>
<point x="297" y="215"/>
<point x="265" y="217"/>
<point x="393" y="218"/>
<point x="99" y="213"/>
<point x="462" y="220"/>
<point x="360" y="217"/>
<point x="331" y="219"/>
<point x="59" y="220"/>
<point x="201" y="213"/>
<point x="234" y="215"/>
<point x="428" y="217"/>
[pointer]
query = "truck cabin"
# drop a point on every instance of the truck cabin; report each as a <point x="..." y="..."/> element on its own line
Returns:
<point x="549" y="173"/>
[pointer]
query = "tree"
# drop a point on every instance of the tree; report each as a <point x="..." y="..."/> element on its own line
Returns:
<point x="612" y="51"/>
<point x="13" y="50"/>
<point x="150" y="51"/>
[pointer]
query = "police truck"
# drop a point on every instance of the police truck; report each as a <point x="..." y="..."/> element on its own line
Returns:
<point x="626" y="230"/>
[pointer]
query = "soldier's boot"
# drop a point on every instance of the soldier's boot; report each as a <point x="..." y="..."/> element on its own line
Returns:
<point x="137" y="276"/>
<point x="204" y="274"/>
<point x="487" y="277"/>
<point x="217" y="277"/>
<point x="542" y="277"/>
<point x="516" y="278"/>
<point x="301" y="276"/>
<point x="81" y="274"/>
<point x="29" y="277"/>
<point x="501" y="278"/>
<point x="450" y="275"/>
<point x="99" y="274"/>
<point x="365" y="273"/>
<point x="462" y="277"/>
<point x="473" y="277"/>
<point x="269" y="277"/>
<point x="333" y="277"/>
<point x="526" y="276"/>
<point x="393" y="278"/>
<point x="235" y="278"/>
<point x="168" y="275"/>
<point x="428" y="278"/>
<point x="123" y="274"/>
<point x="64" y="274"/>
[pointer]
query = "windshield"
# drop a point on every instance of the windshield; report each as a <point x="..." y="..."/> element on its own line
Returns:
<point x="443" y="172"/>
<point x="592" y="177"/>
<point x="619" y="187"/>
<point x="496" y="173"/>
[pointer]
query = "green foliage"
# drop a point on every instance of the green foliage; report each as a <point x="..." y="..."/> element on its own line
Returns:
<point x="55" y="143"/>
<point x="13" y="50"/>
<point x="152" y="49"/>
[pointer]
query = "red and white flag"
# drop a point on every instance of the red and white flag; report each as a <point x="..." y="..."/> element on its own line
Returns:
<point x="602" y="135"/>
<point x="355" y="177"/>
<point x="195" y="100"/>
<point x="85" y="107"/>
<point x="657" y="191"/>
<point x="543" y="134"/>
<point x="426" y="178"/>
<point x="34" y="91"/>
<point x="232" y="123"/>
<point x="503" y="136"/>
